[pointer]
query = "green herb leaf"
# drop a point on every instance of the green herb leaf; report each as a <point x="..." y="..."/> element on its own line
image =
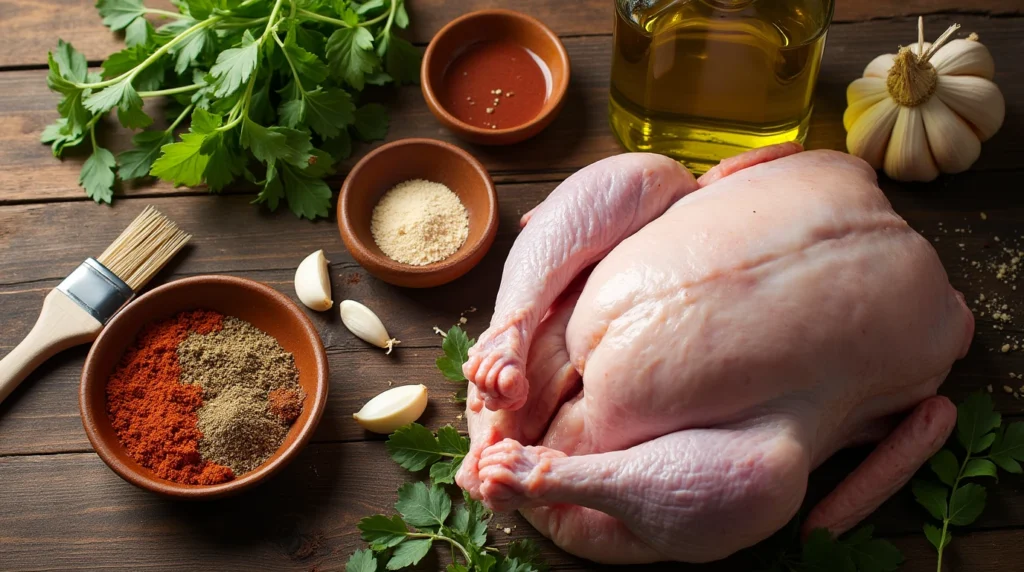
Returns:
<point x="422" y="506"/>
<point x="350" y="55"/>
<point x="409" y="553"/>
<point x="414" y="447"/>
<point x="945" y="466"/>
<point x="933" y="534"/>
<point x="273" y="143"/>
<point x="59" y="135"/>
<point x="361" y="561"/>
<point x="97" y="176"/>
<point x="456" y="346"/>
<point x="871" y="554"/>
<point x="443" y="472"/>
<point x="308" y="197"/>
<point x="371" y="122"/>
<point x="966" y="504"/>
<point x="821" y="553"/>
<point x="226" y="163"/>
<point x="470" y="522"/>
<point x="188" y="51"/>
<point x="401" y="59"/>
<point x="311" y="70"/>
<point x="339" y="147"/>
<point x="182" y="163"/>
<point x="1008" y="448"/>
<point x="931" y="496"/>
<point x="401" y="16"/>
<point x="455" y="567"/>
<point x="383" y="532"/>
<point x="137" y="161"/>
<point x="138" y="33"/>
<point x="980" y="468"/>
<point x="118" y="14"/>
<point x="328" y="111"/>
<point x="974" y="421"/>
<point x="234" y="66"/>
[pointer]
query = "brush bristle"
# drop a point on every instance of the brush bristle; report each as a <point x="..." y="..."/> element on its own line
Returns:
<point x="143" y="248"/>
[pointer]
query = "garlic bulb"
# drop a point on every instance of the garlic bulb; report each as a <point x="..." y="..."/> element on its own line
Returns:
<point x="392" y="409"/>
<point x="925" y="110"/>
<point x="312" y="283"/>
<point x="362" y="322"/>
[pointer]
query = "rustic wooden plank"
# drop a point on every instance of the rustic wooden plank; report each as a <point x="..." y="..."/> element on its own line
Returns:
<point x="578" y="137"/>
<point x="70" y="511"/>
<point x="35" y="25"/>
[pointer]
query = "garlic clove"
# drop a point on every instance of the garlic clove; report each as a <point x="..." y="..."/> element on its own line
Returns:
<point x="362" y="322"/>
<point x="975" y="99"/>
<point x="964" y="57"/>
<point x="879" y="67"/>
<point x="954" y="145"/>
<point x="860" y="96"/>
<point x="313" y="283"/>
<point x="907" y="157"/>
<point x="393" y="408"/>
<point x="869" y="135"/>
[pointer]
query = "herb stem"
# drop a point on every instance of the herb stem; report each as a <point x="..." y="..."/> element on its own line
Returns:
<point x="388" y="15"/>
<point x="391" y="18"/>
<point x="170" y="91"/>
<point x="181" y="117"/>
<point x="92" y="137"/>
<point x="243" y="22"/>
<point x="321" y="18"/>
<point x="295" y="73"/>
<point x="945" y="521"/>
<point x="452" y="541"/>
<point x="166" y="13"/>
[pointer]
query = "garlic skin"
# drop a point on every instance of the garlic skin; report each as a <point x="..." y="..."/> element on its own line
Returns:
<point x="313" y="282"/>
<point x="393" y="408"/>
<point x="366" y="326"/>
<point x="925" y="110"/>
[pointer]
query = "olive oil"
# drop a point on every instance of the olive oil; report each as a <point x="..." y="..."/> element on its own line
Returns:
<point x="702" y="80"/>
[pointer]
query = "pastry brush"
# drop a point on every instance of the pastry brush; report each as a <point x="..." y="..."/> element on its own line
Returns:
<point x="77" y="309"/>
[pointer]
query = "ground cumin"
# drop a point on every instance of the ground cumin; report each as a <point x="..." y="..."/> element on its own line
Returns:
<point x="153" y="414"/>
<point x="419" y="222"/>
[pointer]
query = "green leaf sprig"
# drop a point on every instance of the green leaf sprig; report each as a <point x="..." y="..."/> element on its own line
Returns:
<point x="427" y="515"/>
<point x="271" y="89"/>
<point x="987" y="445"/>
<point x="456" y="346"/>
<point x="857" y="551"/>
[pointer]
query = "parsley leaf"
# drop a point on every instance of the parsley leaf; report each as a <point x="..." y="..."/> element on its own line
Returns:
<point x="182" y="163"/>
<point x="423" y="506"/>
<point x="235" y="65"/>
<point x="138" y="33"/>
<point x="975" y="419"/>
<point x="414" y="447"/>
<point x="966" y="504"/>
<point x="350" y="55"/>
<point x="409" y="553"/>
<point x="401" y="59"/>
<point x="383" y="532"/>
<point x="1008" y="448"/>
<point x="371" y="122"/>
<point x="328" y="111"/>
<point x="273" y="143"/>
<point x="136" y="162"/>
<point x="118" y="14"/>
<point x="97" y="175"/>
<point x="945" y="466"/>
<point x="456" y="352"/>
<point x="361" y="561"/>
<point x="59" y="135"/>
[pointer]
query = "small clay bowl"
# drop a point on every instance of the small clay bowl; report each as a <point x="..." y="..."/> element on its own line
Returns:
<point x="256" y="303"/>
<point x="493" y="25"/>
<point x="400" y="161"/>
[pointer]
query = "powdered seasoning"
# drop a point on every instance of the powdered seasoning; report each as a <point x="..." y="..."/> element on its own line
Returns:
<point x="419" y="222"/>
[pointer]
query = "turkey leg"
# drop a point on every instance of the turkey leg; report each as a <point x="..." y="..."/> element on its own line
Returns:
<point x="577" y="225"/>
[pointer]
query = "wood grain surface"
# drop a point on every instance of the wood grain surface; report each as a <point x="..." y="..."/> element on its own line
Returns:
<point x="61" y="508"/>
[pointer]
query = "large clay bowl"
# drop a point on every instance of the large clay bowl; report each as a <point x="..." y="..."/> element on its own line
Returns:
<point x="400" y="161"/>
<point x="256" y="303"/>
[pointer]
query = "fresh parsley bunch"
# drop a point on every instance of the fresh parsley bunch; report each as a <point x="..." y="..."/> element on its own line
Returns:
<point x="426" y="514"/>
<point x="986" y="444"/>
<point x="270" y="87"/>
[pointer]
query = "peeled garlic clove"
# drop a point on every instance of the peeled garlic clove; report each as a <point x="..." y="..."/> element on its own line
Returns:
<point x="362" y="322"/>
<point x="860" y="96"/>
<point x="976" y="99"/>
<point x="879" y="67"/>
<point x="869" y="135"/>
<point x="907" y="157"/>
<point x="312" y="282"/>
<point x="953" y="144"/>
<point x="392" y="409"/>
<point x="964" y="57"/>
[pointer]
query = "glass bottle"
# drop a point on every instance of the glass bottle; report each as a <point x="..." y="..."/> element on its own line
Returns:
<point x="702" y="80"/>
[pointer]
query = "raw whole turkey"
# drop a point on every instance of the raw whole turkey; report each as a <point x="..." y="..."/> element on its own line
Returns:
<point x="670" y="357"/>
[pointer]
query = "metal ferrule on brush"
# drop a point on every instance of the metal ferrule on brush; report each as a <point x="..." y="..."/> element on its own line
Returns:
<point x="97" y="290"/>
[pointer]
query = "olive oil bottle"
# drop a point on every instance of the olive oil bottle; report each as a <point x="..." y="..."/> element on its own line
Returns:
<point x="702" y="80"/>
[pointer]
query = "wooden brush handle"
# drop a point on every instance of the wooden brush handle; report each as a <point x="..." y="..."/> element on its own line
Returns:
<point x="62" y="324"/>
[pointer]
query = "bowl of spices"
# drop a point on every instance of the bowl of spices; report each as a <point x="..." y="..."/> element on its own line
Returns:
<point x="418" y="212"/>
<point x="495" y="77"/>
<point x="204" y="387"/>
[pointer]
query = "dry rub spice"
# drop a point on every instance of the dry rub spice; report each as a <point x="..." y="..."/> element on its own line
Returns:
<point x="419" y="222"/>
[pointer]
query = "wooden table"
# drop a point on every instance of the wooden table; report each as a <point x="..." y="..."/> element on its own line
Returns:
<point x="61" y="507"/>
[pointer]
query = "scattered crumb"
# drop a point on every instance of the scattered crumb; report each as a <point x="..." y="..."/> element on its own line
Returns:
<point x="1005" y="348"/>
<point x="440" y="332"/>
<point x="489" y="110"/>
<point x="507" y="530"/>
<point x="390" y="383"/>
<point x="984" y="216"/>
<point x="462" y="320"/>
<point x="1007" y="389"/>
<point x="989" y="388"/>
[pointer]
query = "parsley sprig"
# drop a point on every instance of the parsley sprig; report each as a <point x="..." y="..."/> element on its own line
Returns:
<point x="986" y="445"/>
<point x="456" y="352"/>
<point x="270" y="87"/>
<point x="427" y="515"/>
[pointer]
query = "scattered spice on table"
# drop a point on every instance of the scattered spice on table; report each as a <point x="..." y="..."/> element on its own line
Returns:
<point x="202" y="398"/>
<point x="419" y="222"/>
<point x="496" y="85"/>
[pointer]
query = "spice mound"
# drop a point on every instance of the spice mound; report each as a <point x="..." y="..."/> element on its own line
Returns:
<point x="419" y="222"/>
<point x="202" y="398"/>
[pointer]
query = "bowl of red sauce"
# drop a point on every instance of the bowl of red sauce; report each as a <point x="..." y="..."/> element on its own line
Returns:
<point x="495" y="77"/>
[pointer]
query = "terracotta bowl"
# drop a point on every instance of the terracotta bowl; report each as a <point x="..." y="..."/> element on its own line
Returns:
<point x="406" y="159"/>
<point x="485" y="25"/>
<point x="256" y="303"/>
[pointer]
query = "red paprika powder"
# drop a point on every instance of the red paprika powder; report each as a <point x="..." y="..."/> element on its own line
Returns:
<point x="153" y="413"/>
